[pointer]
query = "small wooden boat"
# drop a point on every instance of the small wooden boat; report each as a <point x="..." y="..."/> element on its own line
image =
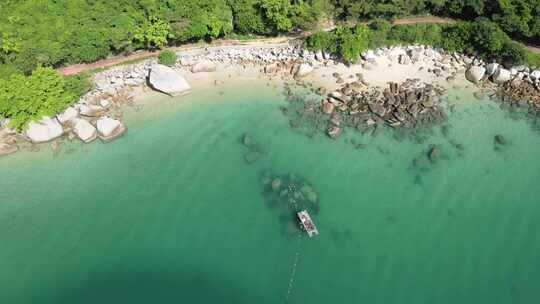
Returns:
<point x="307" y="223"/>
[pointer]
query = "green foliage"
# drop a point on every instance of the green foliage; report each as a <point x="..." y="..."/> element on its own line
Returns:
<point x="352" y="41"/>
<point x="45" y="92"/>
<point x="430" y="34"/>
<point x="279" y="13"/>
<point x="167" y="58"/>
<point x="532" y="59"/>
<point x="8" y="44"/>
<point x="153" y="33"/>
<point x="59" y="32"/>
<point x="518" y="18"/>
<point x="6" y="70"/>
<point x="482" y="38"/>
<point x="322" y="41"/>
<point x="248" y="18"/>
<point x="347" y="42"/>
<point x="458" y="38"/>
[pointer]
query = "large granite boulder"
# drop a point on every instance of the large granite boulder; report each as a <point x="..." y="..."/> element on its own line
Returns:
<point x="502" y="76"/>
<point x="491" y="68"/>
<point x="369" y="55"/>
<point x="45" y="130"/>
<point x="303" y="70"/>
<point x="109" y="128"/>
<point x="204" y="66"/>
<point x="84" y="130"/>
<point x="68" y="115"/>
<point x="475" y="74"/>
<point x="168" y="80"/>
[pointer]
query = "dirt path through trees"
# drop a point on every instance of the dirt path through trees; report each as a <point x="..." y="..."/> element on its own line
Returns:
<point x="112" y="61"/>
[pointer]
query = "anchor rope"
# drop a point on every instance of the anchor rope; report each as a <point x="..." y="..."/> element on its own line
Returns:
<point x="293" y="269"/>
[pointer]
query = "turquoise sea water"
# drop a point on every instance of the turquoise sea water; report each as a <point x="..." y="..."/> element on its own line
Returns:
<point x="172" y="213"/>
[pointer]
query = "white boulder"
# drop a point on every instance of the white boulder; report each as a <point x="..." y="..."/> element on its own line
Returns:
<point x="68" y="115"/>
<point x="475" y="73"/>
<point x="204" y="66"/>
<point x="90" y="110"/>
<point x="4" y="122"/>
<point x="84" y="130"/>
<point x="501" y="76"/>
<point x="369" y="55"/>
<point x="491" y="68"/>
<point x="168" y="81"/>
<point x="45" y="130"/>
<point x="109" y="128"/>
<point x="404" y="59"/>
<point x="303" y="70"/>
<point x="535" y="74"/>
<point x="319" y="56"/>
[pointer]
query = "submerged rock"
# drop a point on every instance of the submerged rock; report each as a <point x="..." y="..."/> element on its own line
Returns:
<point x="328" y="107"/>
<point x="252" y="156"/>
<point x="434" y="154"/>
<point x="333" y="132"/>
<point x="168" y="80"/>
<point x="276" y="184"/>
<point x="247" y="140"/>
<point x="499" y="139"/>
<point x="6" y="149"/>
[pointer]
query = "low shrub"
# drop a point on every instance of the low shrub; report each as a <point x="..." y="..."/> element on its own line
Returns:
<point x="167" y="58"/>
<point x="43" y="93"/>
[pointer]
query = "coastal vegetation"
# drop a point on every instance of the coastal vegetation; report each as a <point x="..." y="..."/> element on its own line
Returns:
<point x="482" y="38"/>
<point x="78" y="31"/>
<point x="167" y="58"/>
<point x="43" y="93"/>
<point x="36" y="36"/>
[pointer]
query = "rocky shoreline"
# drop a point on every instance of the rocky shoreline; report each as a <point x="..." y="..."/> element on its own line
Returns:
<point x="364" y="99"/>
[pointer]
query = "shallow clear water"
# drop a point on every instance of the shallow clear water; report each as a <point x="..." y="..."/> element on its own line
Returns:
<point x="173" y="213"/>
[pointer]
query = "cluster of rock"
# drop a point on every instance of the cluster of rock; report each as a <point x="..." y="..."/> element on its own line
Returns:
<point x="289" y="194"/>
<point x="240" y="55"/>
<point x="115" y="81"/>
<point x="518" y="84"/>
<point x="409" y="105"/>
<point x="521" y="93"/>
<point x="255" y="150"/>
<point x="435" y="61"/>
<point x="97" y="113"/>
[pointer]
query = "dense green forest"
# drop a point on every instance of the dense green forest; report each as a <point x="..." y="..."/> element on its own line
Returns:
<point x="59" y="32"/>
<point x="519" y="18"/>
<point x="53" y="33"/>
